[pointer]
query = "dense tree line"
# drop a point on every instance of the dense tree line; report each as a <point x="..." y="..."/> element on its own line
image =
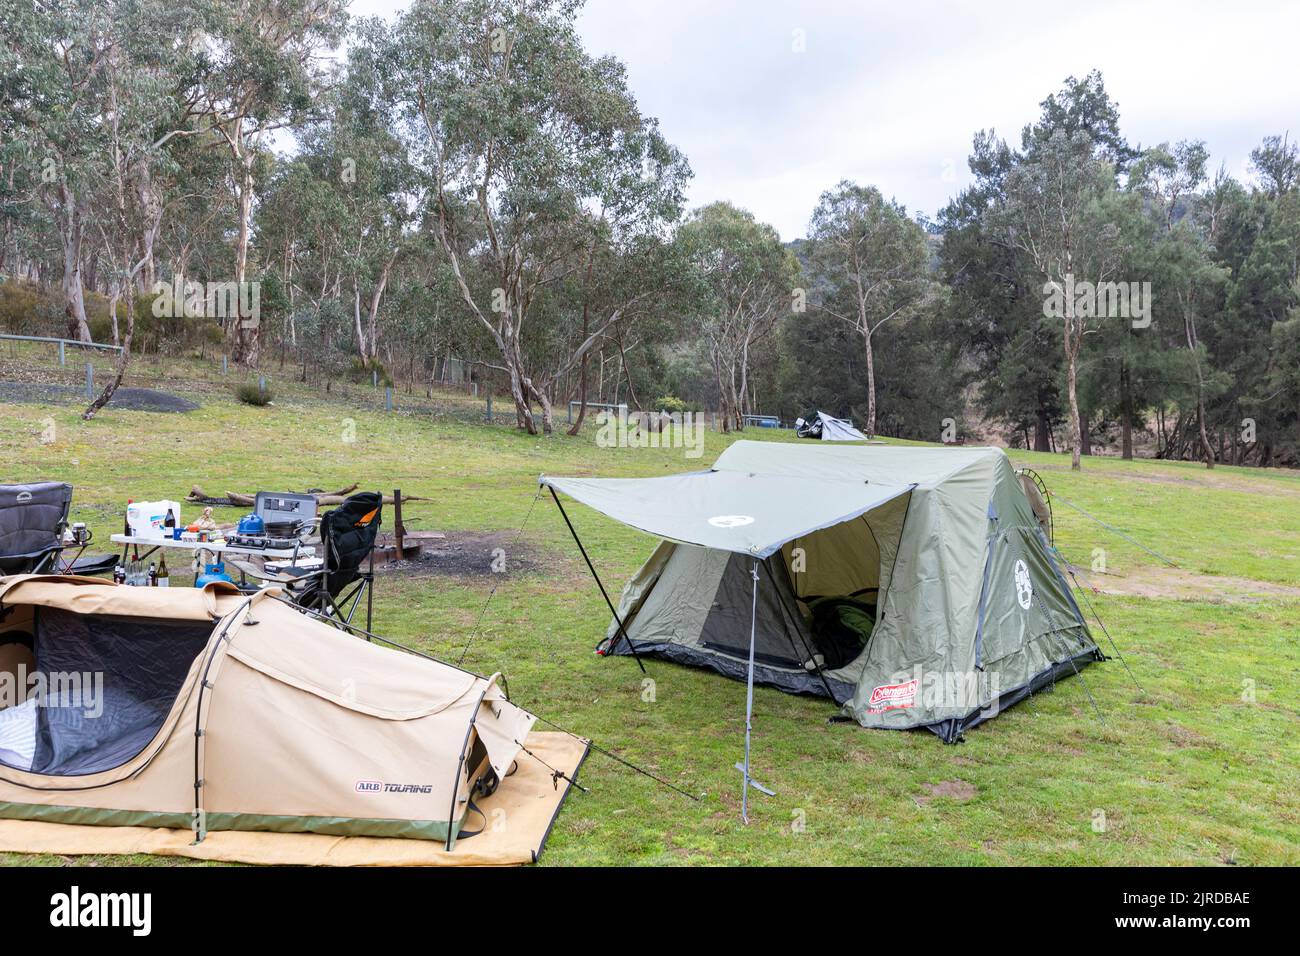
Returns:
<point x="467" y="187"/>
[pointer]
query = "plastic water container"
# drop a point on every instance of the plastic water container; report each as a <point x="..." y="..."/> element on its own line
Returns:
<point x="146" y="519"/>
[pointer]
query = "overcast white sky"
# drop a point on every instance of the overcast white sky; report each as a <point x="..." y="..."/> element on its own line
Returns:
<point x="891" y="93"/>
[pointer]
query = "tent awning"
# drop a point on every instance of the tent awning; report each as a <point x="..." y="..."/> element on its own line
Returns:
<point x="726" y="510"/>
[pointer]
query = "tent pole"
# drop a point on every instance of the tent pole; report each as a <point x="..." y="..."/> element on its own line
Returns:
<point x="749" y="693"/>
<point x="603" y="593"/>
<point x="749" y="706"/>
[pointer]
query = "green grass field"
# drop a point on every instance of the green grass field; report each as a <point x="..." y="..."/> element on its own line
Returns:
<point x="1201" y="768"/>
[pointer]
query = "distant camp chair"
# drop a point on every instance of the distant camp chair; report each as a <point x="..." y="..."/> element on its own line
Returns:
<point x="33" y="518"/>
<point x="347" y="535"/>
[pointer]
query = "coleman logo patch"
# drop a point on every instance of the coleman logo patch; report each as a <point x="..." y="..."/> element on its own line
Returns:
<point x="892" y="697"/>
<point x="1024" y="586"/>
<point x="731" y="521"/>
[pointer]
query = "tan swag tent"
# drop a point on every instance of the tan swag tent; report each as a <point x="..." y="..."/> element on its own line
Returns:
<point x="234" y="718"/>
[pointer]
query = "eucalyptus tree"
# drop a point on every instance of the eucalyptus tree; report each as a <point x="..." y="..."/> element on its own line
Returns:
<point x="137" y="82"/>
<point x="55" y="54"/>
<point x="745" y="281"/>
<point x="1170" y="179"/>
<point x="1276" y="162"/>
<point x="995" y="307"/>
<point x="868" y="261"/>
<point x="1055" y="210"/>
<point x="528" y="148"/>
<point x="257" y="69"/>
<point x="348" y="195"/>
<point x="1258" y="244"/>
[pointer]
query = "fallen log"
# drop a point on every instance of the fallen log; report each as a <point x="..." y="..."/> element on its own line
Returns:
<point x="236" y="499"/>
<point x="341" y="493"/>
<point x="198" y="497"/>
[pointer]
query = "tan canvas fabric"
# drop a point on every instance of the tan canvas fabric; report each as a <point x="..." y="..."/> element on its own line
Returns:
<point x="519" y="816"/>
<point x="100" y="596"/>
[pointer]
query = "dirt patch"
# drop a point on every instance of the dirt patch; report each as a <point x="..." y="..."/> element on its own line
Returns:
<point x="134" y="399"/>
<point x="1265" y="481"/>
<point x="958" y="790"/>
<point x="1263" y="485"/>
<point x="469" y="554"/>
<point x="1181" y="585"/>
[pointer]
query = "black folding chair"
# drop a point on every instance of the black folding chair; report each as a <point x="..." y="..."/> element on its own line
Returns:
<point x="347" y="575"/>
<point x="32" y="521"/>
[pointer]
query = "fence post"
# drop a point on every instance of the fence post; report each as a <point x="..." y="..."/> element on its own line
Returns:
<point x="90" y="382"/>
<point x="261" y="384"/>
<point x="399" y="529"/>
<point x="489" y="412"/>
<point x="63" y="359"/>
<point x="388" y="398"/>
<point x="224" y="367"/>
<point x="374" y="378"/>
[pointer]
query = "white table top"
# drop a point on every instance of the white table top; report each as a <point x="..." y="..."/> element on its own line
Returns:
<point x="302" y="552"/>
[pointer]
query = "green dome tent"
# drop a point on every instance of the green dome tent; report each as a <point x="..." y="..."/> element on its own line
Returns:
<point x="935" y="553"/>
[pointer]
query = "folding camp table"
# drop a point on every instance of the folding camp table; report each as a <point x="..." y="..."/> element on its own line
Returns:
<point x="150" y="545"/>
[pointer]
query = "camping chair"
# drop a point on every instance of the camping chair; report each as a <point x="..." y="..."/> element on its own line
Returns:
<point x="347" y="535"/>
<point x="33" y="518"/>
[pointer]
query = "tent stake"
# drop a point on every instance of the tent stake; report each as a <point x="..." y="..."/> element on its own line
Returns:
<point x="603" y="593"/>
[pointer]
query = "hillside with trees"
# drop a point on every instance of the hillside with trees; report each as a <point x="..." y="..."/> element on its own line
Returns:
<point x="466" y="193"/>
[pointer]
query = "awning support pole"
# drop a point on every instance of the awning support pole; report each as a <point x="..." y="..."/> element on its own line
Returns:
<point x="603" y="593"/>
<point x="749" y="706"/>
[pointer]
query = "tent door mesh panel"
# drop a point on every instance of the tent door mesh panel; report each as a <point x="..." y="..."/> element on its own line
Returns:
<point x="726" y="628"/>
<point x="109" y="684"/>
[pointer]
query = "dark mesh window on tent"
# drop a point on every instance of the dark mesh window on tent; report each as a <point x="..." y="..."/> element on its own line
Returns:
<point x="143" y="661"/>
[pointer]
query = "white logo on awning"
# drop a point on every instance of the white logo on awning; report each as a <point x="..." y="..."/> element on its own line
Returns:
<point x="731" y="521"/>
<point x="1024" y="586"/>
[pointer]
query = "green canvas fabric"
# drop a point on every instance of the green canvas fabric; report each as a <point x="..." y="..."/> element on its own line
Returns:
<point x="333" y="826"/>
<point x="745" y="512"/>
<point x="972" y="607"/>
